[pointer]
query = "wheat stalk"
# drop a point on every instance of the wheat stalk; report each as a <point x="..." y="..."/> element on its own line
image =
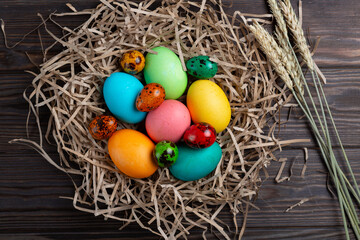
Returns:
<point x="272" y="51"/>
<point x="285" y="58"/>
<point x="297" y="32"/>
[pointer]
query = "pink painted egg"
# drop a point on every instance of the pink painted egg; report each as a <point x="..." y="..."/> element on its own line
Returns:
<point x="168" y="122"/>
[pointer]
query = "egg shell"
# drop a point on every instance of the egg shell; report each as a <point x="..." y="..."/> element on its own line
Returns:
<point x="120" y="91"/>
<point x="208" y="103"/>
<point x="168" y="122"/>
<point x="193" y="164"/>
<point x="165" y="153"/>
<point x="102" y="127"/>
<point x="131" y="151"/>
<point x="165" y="68"/>
<point x="201" y="67"/>
<point x="200" y="135"/>
<point x="132" y="62"/>
<point x="150" y="97"/>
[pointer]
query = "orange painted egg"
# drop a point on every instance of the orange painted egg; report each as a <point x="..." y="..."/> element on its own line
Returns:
<point x="131" y="151"/>
<point x="102" y="127"/>
<point x="132" y="62"/>
<point x="150" y="97"/>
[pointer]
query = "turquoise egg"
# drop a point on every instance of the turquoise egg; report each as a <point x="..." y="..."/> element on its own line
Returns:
<point x="120" y="91"/>
<point x="193" y="164"/>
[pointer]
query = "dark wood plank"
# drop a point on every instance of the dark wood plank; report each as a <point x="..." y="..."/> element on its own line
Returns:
<point x="334" y="233"/>
<point x="29" y="202"/>
<point x="335" y="22"/>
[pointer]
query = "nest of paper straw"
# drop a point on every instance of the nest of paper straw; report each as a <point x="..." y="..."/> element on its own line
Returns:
<point x="70" y="86"/>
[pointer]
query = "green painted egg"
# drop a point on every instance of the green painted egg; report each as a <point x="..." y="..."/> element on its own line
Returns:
<point x="165" y="68"/>
<point x="166" y="153"/>
<point x="193" y="164"/>
<point x="201" y="67"/>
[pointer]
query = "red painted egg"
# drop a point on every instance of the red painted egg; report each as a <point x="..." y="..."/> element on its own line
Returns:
<point x="150" y="97"/>
<point x="102" y="127"/>
<point x="200" y="135"/>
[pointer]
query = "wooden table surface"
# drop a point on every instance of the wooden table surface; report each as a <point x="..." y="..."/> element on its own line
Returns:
<point x="30" y="207"/>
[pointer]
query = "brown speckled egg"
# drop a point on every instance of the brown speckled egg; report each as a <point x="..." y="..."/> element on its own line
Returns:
<point x="150" y="97"/>
<point x="102" y="127"/>
<point x="132" y="62"/>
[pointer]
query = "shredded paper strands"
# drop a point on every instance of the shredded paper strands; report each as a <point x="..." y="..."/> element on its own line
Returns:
<point x="302" y="201"/>
<point x="70" y="86"/>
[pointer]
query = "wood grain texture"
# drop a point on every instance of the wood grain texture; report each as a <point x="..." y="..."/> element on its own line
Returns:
<point x="335" y="22"/>
<point x="30" y="207"/>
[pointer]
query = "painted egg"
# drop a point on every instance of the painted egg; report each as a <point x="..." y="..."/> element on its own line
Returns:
<point x="131" y="151"/>
<point x="150" y="97"/>
<point x="102" y="127"/>
<point x="120" y="91"/>
<point x="166" y="153"/>
<point x="168" y="122"/>
<point x="132" y="62"/>
<point x="165" y="68"/>
<point x="201" y="67"/>
<point x="208" y="103"/>
<point x="193" y="164"/>
<point x="200" y="135"/>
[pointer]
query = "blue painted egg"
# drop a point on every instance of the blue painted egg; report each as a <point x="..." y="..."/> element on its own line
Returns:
<point x="193" y="164"/>
<point x="120" y="92"/>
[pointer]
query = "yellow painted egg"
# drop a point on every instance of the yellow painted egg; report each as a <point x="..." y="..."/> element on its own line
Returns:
<point x="208" y="103"/>
<point x="131" y="151"/>
<point x="132" y="62"/>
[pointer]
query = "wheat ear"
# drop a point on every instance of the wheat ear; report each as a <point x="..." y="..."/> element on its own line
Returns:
<point x="289" y="60"/>
<point x="272" y="51"/>
<point x="281" y="34"/>
<point x="276" y="11"/>
<point x="297" y="32"/>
